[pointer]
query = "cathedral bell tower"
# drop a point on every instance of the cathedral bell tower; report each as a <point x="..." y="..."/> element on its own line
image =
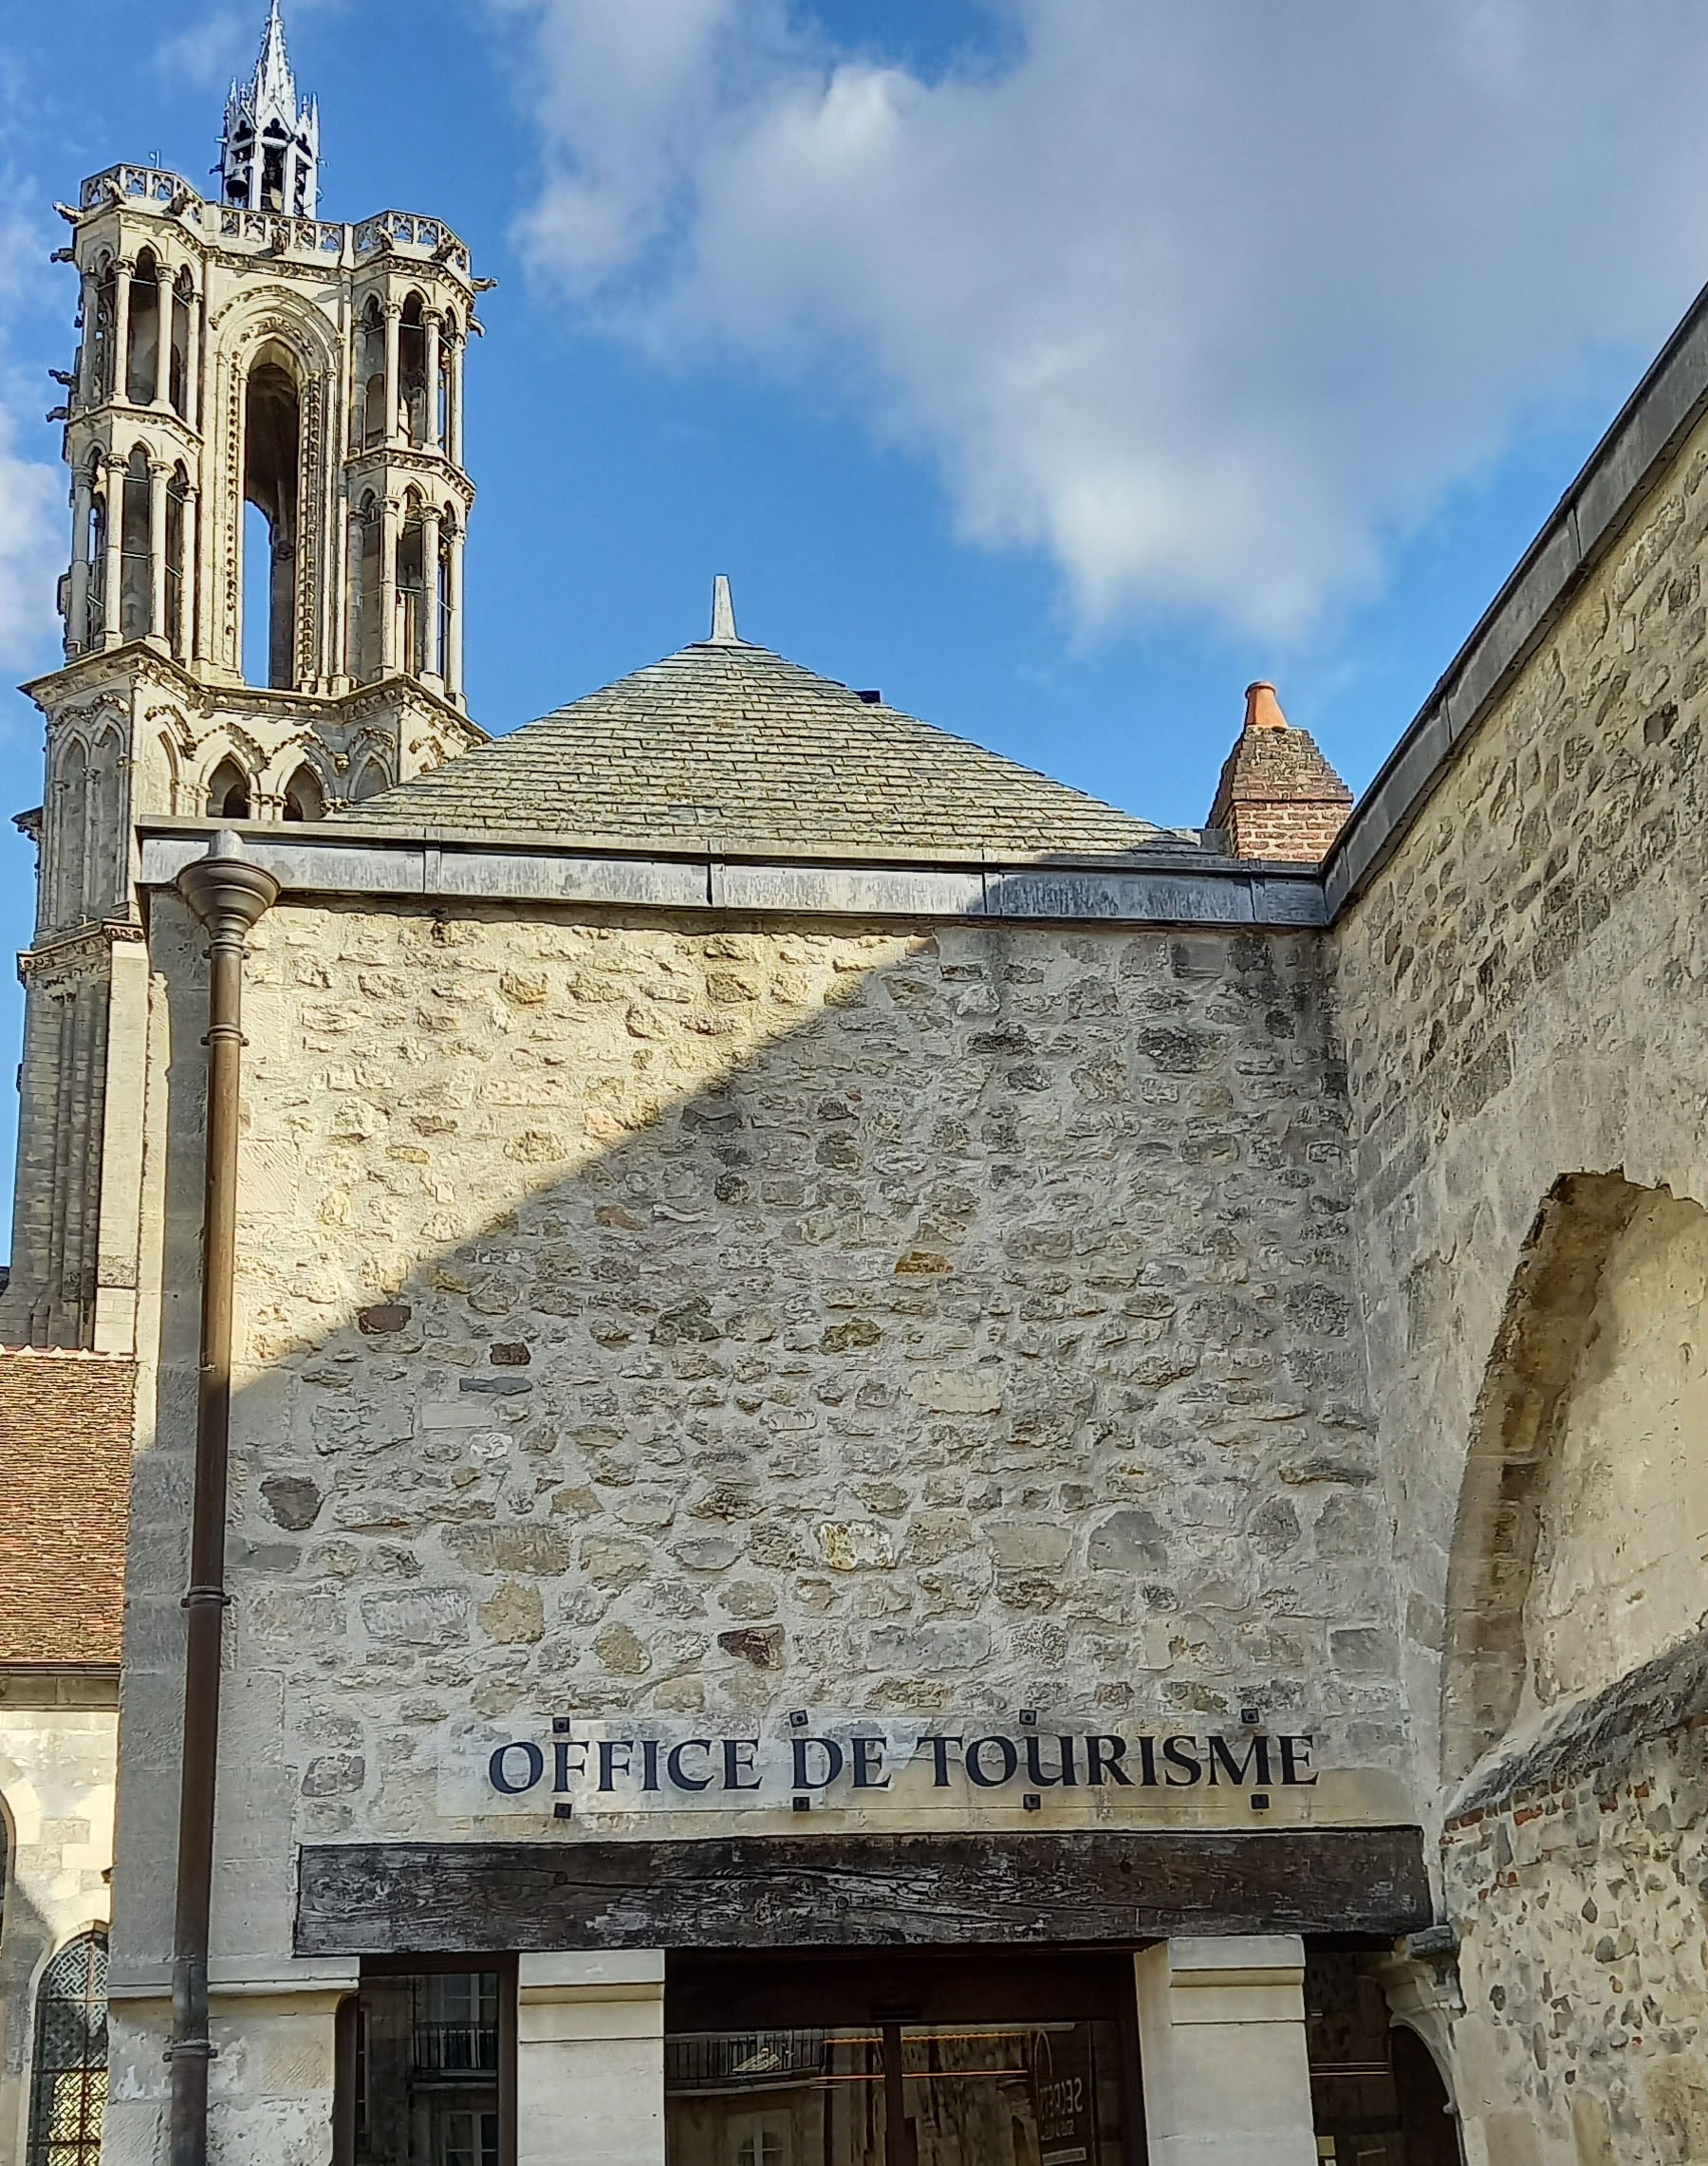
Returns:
<point x="264" y="426"/>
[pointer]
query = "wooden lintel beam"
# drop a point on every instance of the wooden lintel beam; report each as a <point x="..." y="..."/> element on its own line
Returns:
<point x="855" y="1891"/>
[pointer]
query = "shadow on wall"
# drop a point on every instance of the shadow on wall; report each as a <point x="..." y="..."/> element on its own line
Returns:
<point x="29" y="1944"/>
<point x="639" y="1315"/>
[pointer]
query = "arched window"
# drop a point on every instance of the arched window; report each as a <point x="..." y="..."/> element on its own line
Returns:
<point x="271" y="455"/>
<point x="184" y="299"/>
<point x="178" y="508"/>
<point x="366" y="649"/>
<point x="412" y="369"/>
<point x="304" y="797"/>
<point x="68" y="2090"/>
<point x="228" y="792"/>
<point x="370" y="780"/>
<point x="99" y="334"/>
<point x="412" y="587"/>
<point x="141" y="372"/>
<point x="373" y="430"/>
<point x="136" y="557"/>
<point x="94" y="542"/>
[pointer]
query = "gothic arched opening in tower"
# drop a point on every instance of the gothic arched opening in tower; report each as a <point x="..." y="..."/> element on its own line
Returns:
<point x="271" y="432"/>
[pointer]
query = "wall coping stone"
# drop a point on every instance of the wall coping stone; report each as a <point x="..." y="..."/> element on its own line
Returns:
<point x="1594" y="1738"/>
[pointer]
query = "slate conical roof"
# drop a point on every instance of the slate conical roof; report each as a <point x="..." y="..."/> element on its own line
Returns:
<point x="727" y="745"/>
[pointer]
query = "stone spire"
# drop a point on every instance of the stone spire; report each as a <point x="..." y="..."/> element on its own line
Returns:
<point x="1278" y="797"/>
<point x="723" y="615"/>
<point x="269" y="153"/>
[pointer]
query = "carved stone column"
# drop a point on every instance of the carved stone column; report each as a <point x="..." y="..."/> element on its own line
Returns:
<point x="121" y="290"/>
<point x="159" y="474"/>
<point x="454" y="657"/>
<point x="390" y="515"/>
<point x="454" y="398"/>
<point x="163" y="311"/>
<point x="86" y="353"/>
<point x="432" y="320"/>
<point x="432" y="662"/>
<point x="193" y="361"/>
<point x="393" y="312"/>
<point x="77" y="609"/>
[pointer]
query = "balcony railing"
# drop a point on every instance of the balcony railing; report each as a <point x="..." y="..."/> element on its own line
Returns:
<point x="456" y="2048"/>
<point x="717" y="2060"/>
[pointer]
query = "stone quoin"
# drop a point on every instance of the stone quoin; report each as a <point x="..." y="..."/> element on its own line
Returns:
<point x="736" y="1437"/>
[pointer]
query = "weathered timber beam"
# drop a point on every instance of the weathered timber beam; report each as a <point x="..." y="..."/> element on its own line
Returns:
<point x="854" y="1890"/>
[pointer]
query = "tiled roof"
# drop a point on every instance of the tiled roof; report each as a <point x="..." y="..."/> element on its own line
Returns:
<point x="727" y="745"/>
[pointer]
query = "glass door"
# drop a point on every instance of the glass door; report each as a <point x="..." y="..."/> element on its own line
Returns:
<point x="950" y="2066"/>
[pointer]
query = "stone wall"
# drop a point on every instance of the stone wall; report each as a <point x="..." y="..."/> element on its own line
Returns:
<point x="1522" y="994"/>
<point x="652" y="1314"/>
<point x="58" y="1741"/>
<point x="1584" y="1950"/>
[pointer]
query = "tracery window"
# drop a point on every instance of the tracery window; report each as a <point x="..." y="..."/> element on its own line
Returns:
<point x="68" y="2090"/>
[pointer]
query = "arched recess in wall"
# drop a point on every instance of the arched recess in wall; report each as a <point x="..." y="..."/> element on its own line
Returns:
<point x="143" y="363"/>
<point x="71" y="830"/>
<point x="272" y="429"/>
<point x="103" y="841"/>
<point x="366" y="642"/>
<point x="92" y="542"/>
<point x="1582" y="1531"/>
<point x="370" y="376"/>
<point x="183" y="302"/>
<point x="69" y="2077"/>
<point x="369" y="781"/>
<point x="304" y="797"/>
<point x="99" y="333"/>
<point x="412" y="368"/>
<point x="228" y="791"/>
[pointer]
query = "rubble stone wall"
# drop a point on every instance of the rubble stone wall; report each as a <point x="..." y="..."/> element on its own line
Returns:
<point x="644" y="1314"/>
<point x="1522" y="994"/>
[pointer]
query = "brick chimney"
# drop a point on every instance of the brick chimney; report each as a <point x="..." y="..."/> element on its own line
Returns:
<point x="1278" y="797"/>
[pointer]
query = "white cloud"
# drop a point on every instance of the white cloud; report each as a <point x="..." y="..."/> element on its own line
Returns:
<point x="205" y="55"/>
<point x="34" y="527"/>
<point x="1207" y="301"/>
<point x="34" y="540"/>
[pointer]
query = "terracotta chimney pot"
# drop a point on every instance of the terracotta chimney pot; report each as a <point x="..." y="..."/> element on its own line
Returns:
<point x="1263" y="710"/>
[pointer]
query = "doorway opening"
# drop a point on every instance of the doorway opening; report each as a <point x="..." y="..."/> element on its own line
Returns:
<point x="911" y="2062"/>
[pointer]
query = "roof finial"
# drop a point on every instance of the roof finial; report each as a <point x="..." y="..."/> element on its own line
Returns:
<point x="723" y="615"/>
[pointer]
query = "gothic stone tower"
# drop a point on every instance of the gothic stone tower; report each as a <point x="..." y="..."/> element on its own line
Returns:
<point x="244" y="365"/>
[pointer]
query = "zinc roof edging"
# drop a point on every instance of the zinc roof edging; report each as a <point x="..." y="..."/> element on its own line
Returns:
<point x="1172" y="891"/>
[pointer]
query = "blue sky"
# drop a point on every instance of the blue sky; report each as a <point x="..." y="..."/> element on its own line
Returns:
<point x="1054" y="365"/>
